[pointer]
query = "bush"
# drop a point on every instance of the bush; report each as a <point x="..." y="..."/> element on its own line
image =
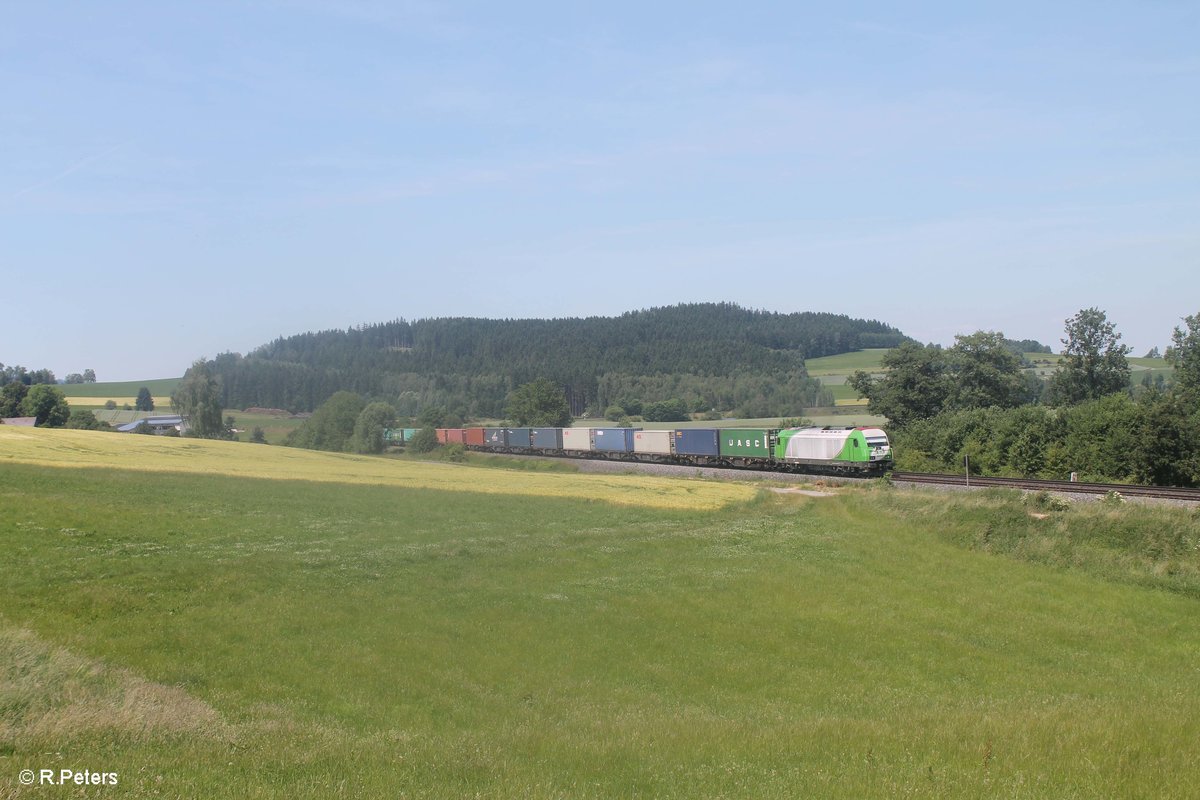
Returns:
<point x="455" y="452"/>
<point x="666" y="411"/>
<point x="1045" y="501"/>
<point x="424" y="441"/>
<point x="84" y="420"/>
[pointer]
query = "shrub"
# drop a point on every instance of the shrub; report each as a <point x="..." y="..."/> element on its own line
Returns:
<point x="424" y="441"/>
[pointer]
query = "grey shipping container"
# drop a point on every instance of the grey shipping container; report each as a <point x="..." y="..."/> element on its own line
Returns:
<point x="495" y="437"/>
<point x="613" y="439"/>
<point x="697" y="442"/>
<point x="518" y="437"/>
<point x="546" y="438"/>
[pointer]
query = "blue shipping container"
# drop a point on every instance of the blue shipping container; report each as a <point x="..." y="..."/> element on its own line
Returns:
<point x="697" y="442"/>
<point x="613" y="439"/>
<point x="546" y="438"/>
<point x="495" y="437"/>
<point x="518" y="437"/>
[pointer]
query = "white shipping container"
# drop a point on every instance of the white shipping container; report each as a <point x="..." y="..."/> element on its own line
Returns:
<point x="656" y="442"/>
<point x="577" y="438"/>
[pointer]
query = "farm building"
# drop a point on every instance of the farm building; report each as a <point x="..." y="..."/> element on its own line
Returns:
<point x="158" y="425"/>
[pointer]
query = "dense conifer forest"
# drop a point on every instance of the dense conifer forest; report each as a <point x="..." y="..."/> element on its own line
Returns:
<point x="713" y="356"/>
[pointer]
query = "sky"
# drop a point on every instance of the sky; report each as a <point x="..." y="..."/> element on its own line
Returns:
<point x="183" y="179"/>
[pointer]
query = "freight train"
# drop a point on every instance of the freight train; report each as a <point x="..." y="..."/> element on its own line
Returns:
<point x="828" y="450"/>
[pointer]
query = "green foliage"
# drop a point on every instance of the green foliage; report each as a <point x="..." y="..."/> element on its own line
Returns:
<point x="455" y="453"/>
<point x="539" y="402"/>
<point x="258" y="436"/>
<point x="795" y="422"/>
<point x="979" y="371"/>
<point x="1046" y="501"/>
<point x="1111" y="439"/>
<point x="917" y="384"/>
<point x="674" y="410"/>
<point x="1184" y="354"/>
<point x="11" y="397"/>
<point x="197" y="398"/>
<point x="614" y="413"/>
<point x="82" y="419"/>
<point x="984" y="372"/>
<point x="475" y="363"/>
<point x="331" y="427"/>
<point x="423" y="441"/>
<point x="74" y="378"/>
<point x="751" y="394"/>
<point x="370" y="426"/>
<point x="144" y="401"/>
<point x="110" y="404"/>
<point x="46" y="403"/>
<point x="432" y="417"/>
<point x="17" y="373"/>
<point x="1022" y="346"/>
<point x="1094" y="364"/>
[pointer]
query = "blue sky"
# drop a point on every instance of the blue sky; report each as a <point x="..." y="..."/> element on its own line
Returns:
<point x="178" y="180"/>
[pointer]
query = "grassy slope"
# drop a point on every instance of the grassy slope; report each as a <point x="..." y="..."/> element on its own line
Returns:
<point x="845" y="363"/>
<point x="362" y="640"/>
<point x="160" y="388"/>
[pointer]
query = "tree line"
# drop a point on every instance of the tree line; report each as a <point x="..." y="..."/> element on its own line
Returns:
<point x="972" y="404"/>
<point x="348" y="422"/>
<point x="708" y="355"/>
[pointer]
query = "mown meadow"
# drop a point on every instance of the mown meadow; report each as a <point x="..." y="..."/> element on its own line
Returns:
<point x="267" y="626"/>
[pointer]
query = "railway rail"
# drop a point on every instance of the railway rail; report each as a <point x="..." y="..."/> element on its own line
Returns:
<point x="1033" y="484"/>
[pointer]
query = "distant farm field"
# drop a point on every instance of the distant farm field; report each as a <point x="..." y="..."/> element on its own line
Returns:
<point x="226" y="620"/>
<point x="160" y="388"/>
<point x="846" y="363"/>
<point x="162" y="403"/>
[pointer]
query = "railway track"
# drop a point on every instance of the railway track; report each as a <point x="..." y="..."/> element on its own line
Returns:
<point x="1032" y="484"/>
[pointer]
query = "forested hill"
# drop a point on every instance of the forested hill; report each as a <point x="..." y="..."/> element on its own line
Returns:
<point x="473" y="363"/>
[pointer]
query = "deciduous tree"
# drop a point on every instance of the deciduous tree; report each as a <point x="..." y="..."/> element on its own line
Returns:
<point x="47" y="404"/>
<point x="369" y="428"/>
<point x="198" y="399"/>
<point x="331" y="426"/>
<point x="985" y="372"/>
<point x="1094" y="363"/>
<point x="1184" y="353"/>
<point x="916" y="385"/>
<point x="539" y="403"/>
<point x="11" y="397"/>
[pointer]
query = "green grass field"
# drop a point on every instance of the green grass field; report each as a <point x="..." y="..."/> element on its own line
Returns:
<point x="203" y="632"/>
<point x="159" y="388"/>
<point x="845" y="363"/>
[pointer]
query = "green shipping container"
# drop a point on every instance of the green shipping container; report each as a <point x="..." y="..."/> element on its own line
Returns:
<point x="745" y="442"/>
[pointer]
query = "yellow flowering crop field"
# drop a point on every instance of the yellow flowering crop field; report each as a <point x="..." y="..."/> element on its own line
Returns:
<point x="96" y="449"/>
